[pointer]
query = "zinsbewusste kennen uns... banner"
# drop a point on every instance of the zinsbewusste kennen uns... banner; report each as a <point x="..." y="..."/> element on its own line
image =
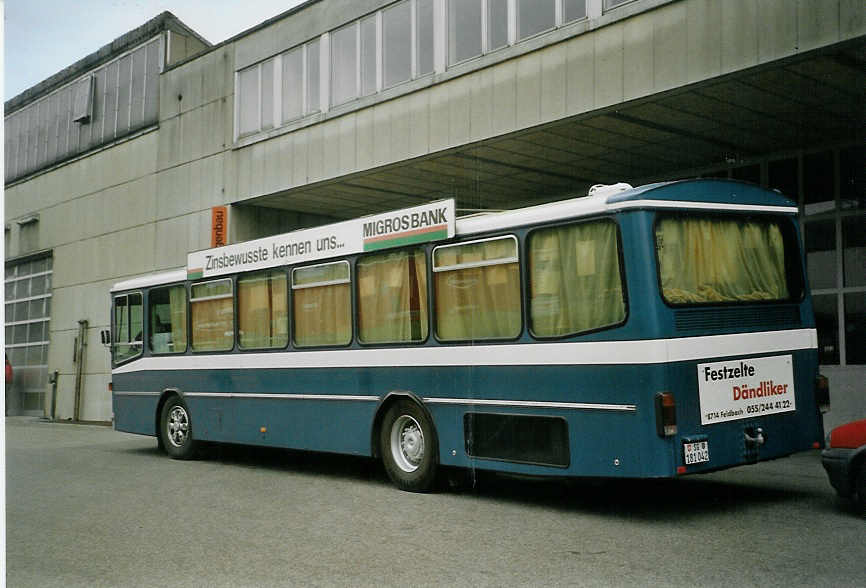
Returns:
<point x="419" y="224"/>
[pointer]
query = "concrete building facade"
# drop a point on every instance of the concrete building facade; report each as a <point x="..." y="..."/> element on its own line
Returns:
<point x="336" y="109"/>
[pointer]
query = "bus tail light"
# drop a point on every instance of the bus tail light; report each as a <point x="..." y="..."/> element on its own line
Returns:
<point x="822" y="393"/>
<point x="666" y="414"/>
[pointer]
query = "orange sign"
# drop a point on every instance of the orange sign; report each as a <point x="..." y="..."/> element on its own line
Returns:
<point x="219" y="226"/>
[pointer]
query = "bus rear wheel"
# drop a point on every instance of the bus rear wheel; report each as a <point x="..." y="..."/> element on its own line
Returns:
<point x="175" y="430"/>
<point x="407" y="443"/>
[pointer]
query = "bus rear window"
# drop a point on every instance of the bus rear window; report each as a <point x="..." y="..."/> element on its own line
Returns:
<point x="715" y="259"/>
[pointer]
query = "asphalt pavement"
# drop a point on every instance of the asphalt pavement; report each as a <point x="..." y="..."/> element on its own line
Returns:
<point x="88" y="506"/>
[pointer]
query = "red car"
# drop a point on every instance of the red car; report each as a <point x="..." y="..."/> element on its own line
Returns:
<point x="845" y="461"/>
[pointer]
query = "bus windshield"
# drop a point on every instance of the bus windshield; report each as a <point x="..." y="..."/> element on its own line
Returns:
<point x="713" y="259"/>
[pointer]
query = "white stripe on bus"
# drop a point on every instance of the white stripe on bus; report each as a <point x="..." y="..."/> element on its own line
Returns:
<point x="642" y="352"/>
<point x="461" y="401"/>
<point x="533" y="404"/>
<point x="282" y="396"/>
<point x="702" y="206"/>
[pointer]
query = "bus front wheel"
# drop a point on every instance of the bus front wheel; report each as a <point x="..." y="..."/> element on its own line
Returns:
<point x="407" y="443"/>
<point x="175" y="430"/>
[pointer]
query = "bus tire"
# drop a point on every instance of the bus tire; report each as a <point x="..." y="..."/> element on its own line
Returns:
<point x="407" y="443"/>
<point x="175" y="430"/>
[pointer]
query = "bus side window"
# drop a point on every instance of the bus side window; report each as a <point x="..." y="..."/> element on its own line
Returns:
<point x="477" y="287"/>
<point x="263" y="320"/>
<point x="127" y="327"/>
<point x="322" y="305"/>
<point x="167" y="317"/>
<point x="392" y="297"/>
<point x="212" y="313"/>
<point x="575" y="282"/>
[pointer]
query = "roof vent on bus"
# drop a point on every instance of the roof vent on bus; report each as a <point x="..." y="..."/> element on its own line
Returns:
<point x="608" y="189"/>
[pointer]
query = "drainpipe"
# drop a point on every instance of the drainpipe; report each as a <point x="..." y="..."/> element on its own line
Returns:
<point x="52" y="379"/>
<point x="80" y="354"/>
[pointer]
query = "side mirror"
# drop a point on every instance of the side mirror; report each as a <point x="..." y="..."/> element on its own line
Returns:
<point x="105" y="335"/>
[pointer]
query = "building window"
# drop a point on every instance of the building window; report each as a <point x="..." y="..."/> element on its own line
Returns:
<point x="397" y="44"/>
<point x="497" y="24"/>
<point x="535" y="16"/>
<point x="108" y="102"/>
<point x="573" y="10"/>
<point x="311" y="78"/>
<point x="248" y="100"/>
<point x="464" y="30"/>
<point x="424" y="37"/>
<point x="256" y="105"/>
<point x="852" y="178"/>
<point x="855" y="328"/>
<point x="266" y="78"/>
<point x="369" y="53"/>
<point x="292" y="91"/>
<point x="385" y="49"/>
<point x="28" y="311"/>
<point x="818" y="182"/>
<point x="608" y="4"/>
<point x="821" y="254"/>
<point x="344" y="64"/>
<point x="835" y="245"/>
<point x="854" y="290"/>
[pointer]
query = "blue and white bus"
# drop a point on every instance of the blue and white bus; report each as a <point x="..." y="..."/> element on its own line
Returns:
<point x="640" y="332"/>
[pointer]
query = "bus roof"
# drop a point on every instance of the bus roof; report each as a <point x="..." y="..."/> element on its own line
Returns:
<point x="150" y="280"/>
<point x="713" y="195"/>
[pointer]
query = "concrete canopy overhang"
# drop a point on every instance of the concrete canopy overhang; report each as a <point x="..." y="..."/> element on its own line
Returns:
<point x="799" y="103"/>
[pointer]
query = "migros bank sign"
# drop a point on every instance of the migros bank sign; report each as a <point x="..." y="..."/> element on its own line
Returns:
<point x="419" y="224"/>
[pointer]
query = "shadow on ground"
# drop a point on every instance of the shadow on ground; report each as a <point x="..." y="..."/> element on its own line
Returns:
<point x="643" y="499"/>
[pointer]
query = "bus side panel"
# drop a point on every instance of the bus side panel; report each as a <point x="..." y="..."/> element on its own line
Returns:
<point x="602" y="442"/>
<point x="132" y="413"/>
<point x="334" y="426"/>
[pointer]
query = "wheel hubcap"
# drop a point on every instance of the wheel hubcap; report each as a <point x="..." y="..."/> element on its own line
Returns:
<point x="407" y="443"/>
<point x="178" y="426"/>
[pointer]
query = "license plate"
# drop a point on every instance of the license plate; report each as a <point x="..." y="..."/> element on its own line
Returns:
<point x="696" y="452"/>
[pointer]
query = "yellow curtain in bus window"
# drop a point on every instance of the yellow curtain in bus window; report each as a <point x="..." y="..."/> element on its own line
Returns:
<point x="705" y="260"/>
<point x="481" y="302"/>
<point x="212" y="316"/>
<point x="177" y="306"/>
<point x="263" y="310"/>
<point x="575" y="281"/>
<point x="322" y="305"/>
<point x="392" y="297"/>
